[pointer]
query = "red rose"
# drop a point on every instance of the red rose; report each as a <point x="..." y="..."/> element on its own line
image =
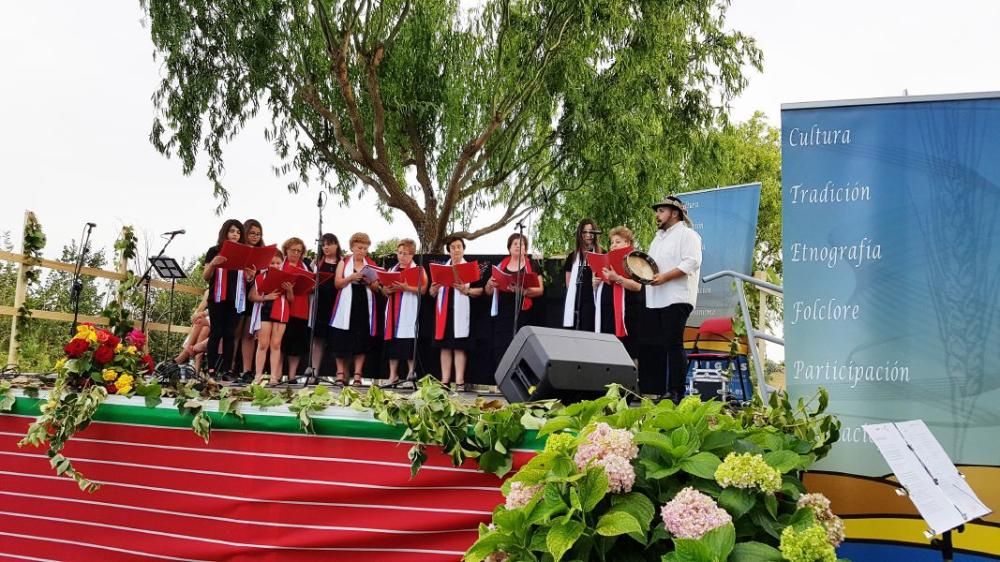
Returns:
<point x="111" y="388"/>
<point x="148" y="360"/>
<point x="76" y="348"/>
<point x="102" y="336"/>
<point x="113" y="340"/>
<point x="104" y="354"/>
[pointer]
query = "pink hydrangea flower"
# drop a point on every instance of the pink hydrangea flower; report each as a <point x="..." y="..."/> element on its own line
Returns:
<point x="691" y="514"/>
<point x="621" y="473"/>
<point x="520" y="494"/>
<point x="604" y="441"/>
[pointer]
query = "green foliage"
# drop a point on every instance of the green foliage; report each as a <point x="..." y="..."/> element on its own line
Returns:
<point x="484" y="430"/>
<point x="385" y="248"/>
<point x="575" y="515"/>
<point x="500" y="108"/>
<point x="33" y="241"/>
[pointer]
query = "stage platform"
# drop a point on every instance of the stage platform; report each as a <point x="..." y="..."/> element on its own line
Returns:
<point x="260" y="489"/>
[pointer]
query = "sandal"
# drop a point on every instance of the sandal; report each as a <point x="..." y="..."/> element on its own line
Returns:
<point x="391" y="383"/>
<point x="357" y="380"/>
<point x="341" y="380"/>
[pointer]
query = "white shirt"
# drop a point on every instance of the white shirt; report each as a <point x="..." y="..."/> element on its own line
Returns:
<point x="676" y="247"/>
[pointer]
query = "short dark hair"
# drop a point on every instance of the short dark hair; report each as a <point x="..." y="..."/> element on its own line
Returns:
<point x="224" y="231"/>
<point x="449" y="240"/>
<point x="515" y="236"/>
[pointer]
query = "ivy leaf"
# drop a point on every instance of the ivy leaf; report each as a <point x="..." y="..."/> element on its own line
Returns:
<point x="755" y="552"/>
<point x="561" y="537"/>
<point x="556" y="424"/>
<point x="702" y="465"/>
<point x="202" y="425"/>
<point x="617" y="523"/>
<point x="737" y="501"/>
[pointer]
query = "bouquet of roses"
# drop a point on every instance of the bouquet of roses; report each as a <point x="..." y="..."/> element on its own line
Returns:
<point x="97" y="356"/>
<point x="97" y="363"/>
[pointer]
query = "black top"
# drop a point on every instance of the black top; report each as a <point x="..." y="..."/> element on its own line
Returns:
<point x="585" y="295"/>
<point x="231" y="278"/>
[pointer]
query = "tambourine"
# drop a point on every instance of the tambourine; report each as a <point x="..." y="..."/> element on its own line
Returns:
<point x="641" y="267"/>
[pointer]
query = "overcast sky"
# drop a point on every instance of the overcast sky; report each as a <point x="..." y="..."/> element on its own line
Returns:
<point x="75" y="111"/>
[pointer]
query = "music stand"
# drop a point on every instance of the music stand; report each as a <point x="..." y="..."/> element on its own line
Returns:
<point x="168" y="268"/>
<point x="929" y="479"/>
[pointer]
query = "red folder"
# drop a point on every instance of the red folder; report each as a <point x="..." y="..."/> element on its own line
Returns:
<point x="615" y="260"/>
<point x="508" y="281"/>
<point x="409" y="276"/>
<point x="302" y="283"/>
<point x="447" y="275"/>
<point x="242" y="256"/>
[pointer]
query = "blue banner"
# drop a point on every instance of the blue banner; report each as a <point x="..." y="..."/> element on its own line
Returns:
<point x="726" y="219"/>
<point x="892" y="288"/>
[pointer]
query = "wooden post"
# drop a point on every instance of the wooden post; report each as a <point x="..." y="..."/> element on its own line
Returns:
<point x="20" y="293"/>
<point x="761" y="315"/>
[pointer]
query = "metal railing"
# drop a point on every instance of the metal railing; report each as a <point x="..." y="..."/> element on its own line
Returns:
<point x="752" y="333"/>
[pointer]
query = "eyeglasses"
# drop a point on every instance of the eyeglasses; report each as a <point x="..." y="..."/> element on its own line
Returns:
<point x="254" y="233"/>
<point x="295" y="250"/>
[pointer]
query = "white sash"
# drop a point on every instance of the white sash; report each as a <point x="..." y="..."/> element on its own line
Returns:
<point x="570" y="302"/>
<point x="406" y="323"/>
<point x="342" y="306"/>
<point x="460" y="326"/>
<point x="597" y="308"/>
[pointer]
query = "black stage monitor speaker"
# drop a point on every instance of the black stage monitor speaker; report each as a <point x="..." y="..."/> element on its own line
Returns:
<point x="543" y="363"/>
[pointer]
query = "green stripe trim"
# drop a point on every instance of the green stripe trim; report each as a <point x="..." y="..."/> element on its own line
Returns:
<point x="276" y="423"/>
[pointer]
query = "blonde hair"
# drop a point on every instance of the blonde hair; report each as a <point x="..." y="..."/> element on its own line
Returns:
<point x="293" y="241"/>
<point x="359" y="238"/>
<point x="624" y="232"/>
<point x="407" y="244"/>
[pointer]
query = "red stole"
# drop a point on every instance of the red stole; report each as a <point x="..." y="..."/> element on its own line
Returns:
<point x="395" y="303"/>
<point x="618" y="296"/>
<point x="300" y="306"/>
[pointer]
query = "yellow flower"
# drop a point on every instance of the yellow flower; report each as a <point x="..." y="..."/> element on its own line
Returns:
<point x="119" y="348"/>
<point x="60" y="363"/>
<point x="92" y="337"/>
<point x="130" y="349"/>
<point x="110" y="375"/>
<point x="124" y="381"/>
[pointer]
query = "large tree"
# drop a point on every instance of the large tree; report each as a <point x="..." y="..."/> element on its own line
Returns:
<point x="444" y="112"/>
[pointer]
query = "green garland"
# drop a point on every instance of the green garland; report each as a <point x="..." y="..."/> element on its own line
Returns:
<point x="33" y="243"/>
<point x="117" y="314"/>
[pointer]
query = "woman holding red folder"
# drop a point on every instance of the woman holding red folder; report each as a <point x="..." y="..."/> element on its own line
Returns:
<point x="503" y="301"/>
<point x="621" y="299"/>
<point x="253" y="235"/>
<point x="271" y="312"/>
<point x="578" y="310"/>
<point x="353" y="324"/>
<point x="226" y="299"/>
<point x="452" y="325"/>
<point x="401" y="311"/>
<point x="332" y="255"/>
<point x="295" y="344"/>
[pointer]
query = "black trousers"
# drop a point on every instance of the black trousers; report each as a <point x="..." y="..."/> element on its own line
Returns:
<point x="664" y="332"/>
<point x="223" y="319"/>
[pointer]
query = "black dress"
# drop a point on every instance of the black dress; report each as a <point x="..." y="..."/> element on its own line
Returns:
<point x="635" y="304"/>
<point x="357" y="339"/>
<point x="449" y="341"/>
<point x="585" y="292"/>
<point x="503" y="322"/>
<point x="324" y="304"/>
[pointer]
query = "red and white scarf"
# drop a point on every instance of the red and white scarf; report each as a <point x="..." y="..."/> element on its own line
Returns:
<point x="341" y="317"/>
<point x="401" y="312"/>
<point x="461" y="319"/>
<point x="220" y="288"/>
<point x="618" y="300"/>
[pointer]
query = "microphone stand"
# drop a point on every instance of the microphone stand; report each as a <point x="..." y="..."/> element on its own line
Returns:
<point x="77" y="283"/>
<point x="147" y="277"/>
<point x="311" y="370"/>
<point x="411" y="377"/>
<point x="519" y="276"/>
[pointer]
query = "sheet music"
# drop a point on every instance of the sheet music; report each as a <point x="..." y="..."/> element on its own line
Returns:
<point x="927" y="496"/>
<point x="950" y="480"/>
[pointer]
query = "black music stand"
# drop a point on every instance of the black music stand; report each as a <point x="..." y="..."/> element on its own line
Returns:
<point x="168" y="269"/>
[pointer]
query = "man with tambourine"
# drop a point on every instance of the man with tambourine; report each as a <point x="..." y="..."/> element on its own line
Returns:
<point x="672" y="292"/>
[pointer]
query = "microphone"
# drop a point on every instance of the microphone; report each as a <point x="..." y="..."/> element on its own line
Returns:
<point x="596" y="232"/>
<point x="173" y="233"/>
<point x="319" y="200"/>
<point x="519" y="224"/>
<point x="91" y="224"/>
